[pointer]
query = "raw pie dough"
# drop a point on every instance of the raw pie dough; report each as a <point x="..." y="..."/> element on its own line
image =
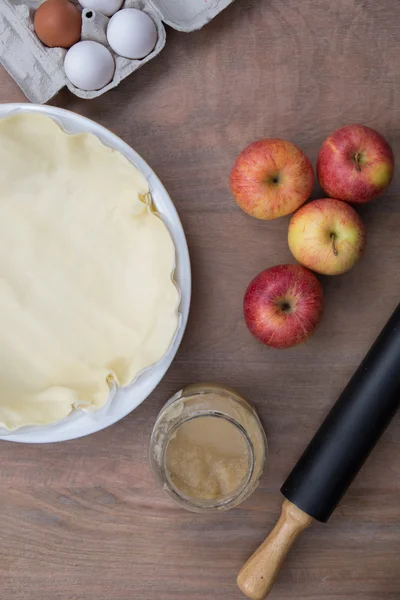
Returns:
<point x="86" y="289"/>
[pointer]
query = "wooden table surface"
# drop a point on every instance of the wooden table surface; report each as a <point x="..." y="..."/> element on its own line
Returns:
<point x="84" y="520"/>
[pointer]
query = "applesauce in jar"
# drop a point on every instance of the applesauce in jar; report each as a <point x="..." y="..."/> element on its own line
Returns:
<point x="208" y="448"/>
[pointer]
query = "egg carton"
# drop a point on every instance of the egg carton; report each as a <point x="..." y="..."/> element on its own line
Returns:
<point x="39" y="70"/>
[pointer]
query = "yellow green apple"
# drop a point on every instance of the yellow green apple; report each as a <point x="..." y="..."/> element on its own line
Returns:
<point x="327" y="236"/>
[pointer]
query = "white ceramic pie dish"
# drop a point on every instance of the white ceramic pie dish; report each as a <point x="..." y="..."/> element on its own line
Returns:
<point x="125" y="400"/>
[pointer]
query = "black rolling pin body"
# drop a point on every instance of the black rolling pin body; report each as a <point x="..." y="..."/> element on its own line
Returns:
<point x="351" y="429"/>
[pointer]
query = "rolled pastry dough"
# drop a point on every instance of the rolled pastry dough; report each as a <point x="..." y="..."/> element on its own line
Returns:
<point x="86" y="289"/>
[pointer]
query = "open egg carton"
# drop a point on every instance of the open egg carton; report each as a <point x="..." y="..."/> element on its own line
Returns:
<point x="39" y="70"/>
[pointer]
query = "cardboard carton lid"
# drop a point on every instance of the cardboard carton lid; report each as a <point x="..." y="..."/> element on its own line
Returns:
<point x="188" y="15"/>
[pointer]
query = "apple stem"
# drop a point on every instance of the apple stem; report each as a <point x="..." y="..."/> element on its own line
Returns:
<point x="357" y="160"/>
<point x="335" y="250"/>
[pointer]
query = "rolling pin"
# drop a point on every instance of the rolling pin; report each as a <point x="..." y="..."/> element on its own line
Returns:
<point x="333" y="458"/>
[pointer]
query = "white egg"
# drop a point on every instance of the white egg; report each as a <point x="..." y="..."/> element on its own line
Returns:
<point x="89" y="65"/>
<point x="106" y="7"/>
<point x="131" y="33"/>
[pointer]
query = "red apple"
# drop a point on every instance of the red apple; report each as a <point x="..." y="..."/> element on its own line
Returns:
<point x="355" y="164"/>
<point x="283" y="305"/>
<point x="327" y="236"/>
<point x="271" y="178"/>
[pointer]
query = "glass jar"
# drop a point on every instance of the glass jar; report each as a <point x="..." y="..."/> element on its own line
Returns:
<point x="208" y="465"/>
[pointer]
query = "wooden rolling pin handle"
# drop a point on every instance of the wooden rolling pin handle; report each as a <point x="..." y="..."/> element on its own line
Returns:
<point x="258" y="575"/>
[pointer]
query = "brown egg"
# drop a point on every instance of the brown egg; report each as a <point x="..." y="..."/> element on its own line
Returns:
<point x="58" y="23"/>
